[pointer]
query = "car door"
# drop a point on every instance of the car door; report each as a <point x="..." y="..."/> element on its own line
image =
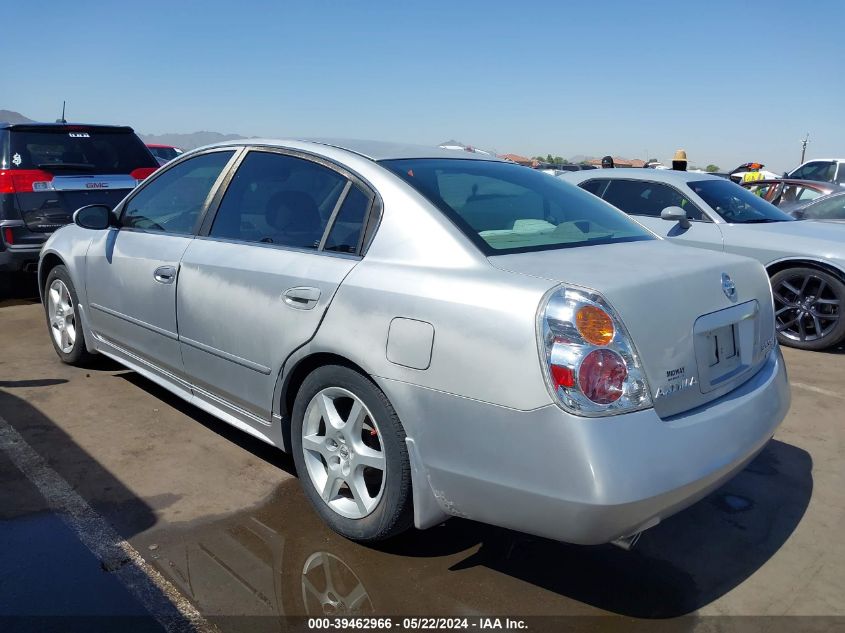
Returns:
<point x="645" y="200"/>
<point x="132" y="269"/>
<point x="254" y="285"/>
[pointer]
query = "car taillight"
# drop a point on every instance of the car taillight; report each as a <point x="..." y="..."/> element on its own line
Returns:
<point x="24" y="180"/>
<point x="589" y="361"/>
<point x="141" y="173"/>
<point x="9" y="235"/>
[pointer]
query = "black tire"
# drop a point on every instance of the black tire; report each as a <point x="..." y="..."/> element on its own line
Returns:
<point x="77" y="355"/>
<point x="804" y="315"/>
<point x="394" y="513"/>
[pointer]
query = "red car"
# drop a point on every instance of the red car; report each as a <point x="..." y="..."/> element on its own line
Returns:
<point x="164" y="153"/>
<point x="788" y="193"/>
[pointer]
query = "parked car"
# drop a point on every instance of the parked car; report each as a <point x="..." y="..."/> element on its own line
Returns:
<point x="805" y="260"/>
<point x="830" y="208"/>
<point x="821" y="169"/>
<point x="48" y="170"/>
<point x="164" y="153"/>
<point x="430" y="333"/>
<point x="788" y="193"/>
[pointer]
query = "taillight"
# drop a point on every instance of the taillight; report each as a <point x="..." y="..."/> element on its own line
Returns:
<point x="25" y="180"/>
<point x="589" y="361"/>
<point x="141" y="173"/>
<point x="9" y="235"/>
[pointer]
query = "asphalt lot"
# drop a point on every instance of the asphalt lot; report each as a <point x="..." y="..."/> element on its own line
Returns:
<point x="220" y="517"/>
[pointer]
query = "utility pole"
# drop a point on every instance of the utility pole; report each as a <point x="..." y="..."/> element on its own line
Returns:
<point x="62" y="120"/>
<point x="804" y="142"/>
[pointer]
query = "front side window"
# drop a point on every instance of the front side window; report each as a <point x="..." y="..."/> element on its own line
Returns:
<point x="173" y="201"/>
<point x="506" y="208"/>
<point x="278" y="199"/>
<point x="595" y="187"/>
<point x="641" y="197"/>
<point x="735" y="204"/>
<point x="821" y="170"/>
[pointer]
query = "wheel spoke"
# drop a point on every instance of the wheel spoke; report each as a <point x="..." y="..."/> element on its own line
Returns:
<point x="331" y="487"/>
<point x="783" y="309"/>
<point x="802" y="334"/>
<point x="315" y="444"/>
<point x="791" y="288"/>
<point x="832" y="302"/>
<point x="329" y="412"/>
<point x="366" y="456"/>
<point x="70" y="329"/>
<point x="357" y="415"/>
<point x="356" y="597"/>
<point x="804" y="285"/>
<point x="822" y="286"/>
<point x="64" y="342"/>
<point x="359" y="492"/>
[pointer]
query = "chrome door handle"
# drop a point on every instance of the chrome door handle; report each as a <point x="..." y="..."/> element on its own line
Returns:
<point x="165" y="274"/>
<point x="302" y="297"/>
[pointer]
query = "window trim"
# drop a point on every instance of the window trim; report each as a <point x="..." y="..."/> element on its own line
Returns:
<point x="120" y="209"/>
<point x="372" y="216"/>
<point x="705" y="217"/>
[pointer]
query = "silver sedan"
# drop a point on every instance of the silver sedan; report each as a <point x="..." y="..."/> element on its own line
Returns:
<point x="805" y="260"/>
<point x="430" y="334"/>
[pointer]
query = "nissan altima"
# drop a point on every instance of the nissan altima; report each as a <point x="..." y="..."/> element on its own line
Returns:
<point x="429" y="334"/>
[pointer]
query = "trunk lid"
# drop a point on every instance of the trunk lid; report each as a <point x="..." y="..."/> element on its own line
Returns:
<point x="695" y="342"/>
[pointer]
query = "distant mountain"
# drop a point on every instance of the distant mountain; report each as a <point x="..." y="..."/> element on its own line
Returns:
<point x="579" y="158"/>
<point x="189" y="141"/>
<point x="8" y="116"/>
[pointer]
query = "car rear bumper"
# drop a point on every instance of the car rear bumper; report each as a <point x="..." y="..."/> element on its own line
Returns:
<point x="583" y="480"/>
<point x="19" y="258"/>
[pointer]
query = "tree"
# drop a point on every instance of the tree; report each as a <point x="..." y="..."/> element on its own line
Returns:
<point x="711" y="168"/>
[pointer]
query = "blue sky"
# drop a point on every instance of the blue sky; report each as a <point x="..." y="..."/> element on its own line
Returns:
<point x="727" y="81"/>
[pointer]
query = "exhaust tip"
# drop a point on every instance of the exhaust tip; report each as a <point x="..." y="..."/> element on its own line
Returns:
<point x="627" y="542"/>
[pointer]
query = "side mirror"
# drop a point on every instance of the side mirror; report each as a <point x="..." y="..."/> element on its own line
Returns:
<point x="798" y="214"/>
<point x="676" y="214"/>
<point x="94" y="216"/>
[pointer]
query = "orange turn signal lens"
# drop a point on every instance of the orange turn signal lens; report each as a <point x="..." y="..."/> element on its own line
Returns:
<point x="595" y="325"/>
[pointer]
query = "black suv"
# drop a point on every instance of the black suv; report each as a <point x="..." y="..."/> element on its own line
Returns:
<point x="49" y="170"/>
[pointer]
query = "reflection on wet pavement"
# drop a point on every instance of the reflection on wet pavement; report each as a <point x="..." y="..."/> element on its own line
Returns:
<point x="280" y="560"/>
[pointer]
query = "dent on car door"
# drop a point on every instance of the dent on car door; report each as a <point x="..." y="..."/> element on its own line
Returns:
<point x="132" y="269"/>
<point x="254" y="285"/>
<point x="645" y="201"/>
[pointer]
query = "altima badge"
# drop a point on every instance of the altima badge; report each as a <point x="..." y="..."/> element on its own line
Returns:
<point x="728" y="286"/>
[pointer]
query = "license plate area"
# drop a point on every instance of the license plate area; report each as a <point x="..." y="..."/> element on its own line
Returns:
<point x="725" y="343"/>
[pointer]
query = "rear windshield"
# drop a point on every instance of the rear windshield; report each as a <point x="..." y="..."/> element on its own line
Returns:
<point x="736" y="204"/>
<point x="84" y="151"/>
<point x="507" y="208"/>
<point x="165" y="153"/>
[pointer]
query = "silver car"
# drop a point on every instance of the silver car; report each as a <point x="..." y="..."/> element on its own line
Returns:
<point x="430" y="334"/>
<point x="805" y="260"/>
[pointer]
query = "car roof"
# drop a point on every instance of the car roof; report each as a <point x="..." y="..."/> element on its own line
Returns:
<point x="638" y="173"/>
<point x="34" y="126"/>
<point x="374" y="150"/>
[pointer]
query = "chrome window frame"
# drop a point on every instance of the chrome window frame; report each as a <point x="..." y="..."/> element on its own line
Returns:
<point x="120" y="209"/>
<point x="371" y="220"/>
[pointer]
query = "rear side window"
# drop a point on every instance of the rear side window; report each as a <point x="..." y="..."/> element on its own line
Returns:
<point x="507" y="208"/>
<point x="832" y="208"/>
<point x="640" y="197"/>
<point x="278" y="199"/>
<point x="172" y="202"/>
<point x="83" y="151"/>
<point x="345" y="235"/>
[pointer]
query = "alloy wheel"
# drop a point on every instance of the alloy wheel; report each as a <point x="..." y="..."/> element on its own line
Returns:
<point x="807" y="308"/>
<point x="62" y="316"/>
<point x="332" y="587"/>
<point x="343" y="452"/>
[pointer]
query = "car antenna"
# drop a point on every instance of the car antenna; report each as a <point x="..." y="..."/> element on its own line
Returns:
<point x="63" y="119"/>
